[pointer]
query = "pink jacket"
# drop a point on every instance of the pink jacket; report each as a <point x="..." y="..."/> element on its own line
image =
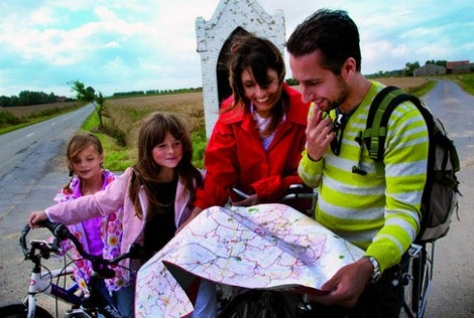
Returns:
<point x="114" y="197"/>
<point x="82" y="268"/>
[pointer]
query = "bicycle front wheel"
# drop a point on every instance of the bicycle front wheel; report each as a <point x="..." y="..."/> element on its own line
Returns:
<point x="256" y="304"/>
<point x="19" y="310"/>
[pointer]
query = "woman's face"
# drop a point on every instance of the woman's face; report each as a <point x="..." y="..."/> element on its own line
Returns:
<point x="87" y="163"/>
<point x="169" y="153"/>
<point x="263" y="99"/>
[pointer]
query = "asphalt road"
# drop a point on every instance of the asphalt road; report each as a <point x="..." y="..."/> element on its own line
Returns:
<point x="35" y="179"/>
<point x="32" y="170"/>
<point x="28" y="154"/>
<point x="452" y="292"/>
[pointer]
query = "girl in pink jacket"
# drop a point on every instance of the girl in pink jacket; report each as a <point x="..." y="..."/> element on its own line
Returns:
<point x="85" y="155"/>
<point x="155" y="194"/>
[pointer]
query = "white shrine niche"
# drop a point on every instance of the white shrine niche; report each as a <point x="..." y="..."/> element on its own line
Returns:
<point x="214" y="37"/>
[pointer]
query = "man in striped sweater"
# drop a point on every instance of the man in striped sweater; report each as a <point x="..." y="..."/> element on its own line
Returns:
<point x="380" y="215"/>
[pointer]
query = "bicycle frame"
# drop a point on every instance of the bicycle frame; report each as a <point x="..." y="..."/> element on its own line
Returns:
<point x="92" y="304"/>
<point x="41" y="282"/>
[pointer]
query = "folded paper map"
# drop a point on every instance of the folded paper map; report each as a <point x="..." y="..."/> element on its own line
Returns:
<point x="267" y="246"/>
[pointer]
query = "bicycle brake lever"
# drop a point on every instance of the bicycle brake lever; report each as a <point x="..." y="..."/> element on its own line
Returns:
<point x="58" y="230"/>
<point x="55" y="246"/>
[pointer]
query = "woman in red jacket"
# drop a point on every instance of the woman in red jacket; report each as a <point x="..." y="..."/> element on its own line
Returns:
<point x="257" y="141"/>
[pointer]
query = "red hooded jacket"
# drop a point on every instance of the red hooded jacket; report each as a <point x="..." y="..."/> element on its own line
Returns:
<point x="235" y="156"/>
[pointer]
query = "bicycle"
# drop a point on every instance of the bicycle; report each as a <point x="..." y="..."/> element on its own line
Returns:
<point x="81" y="306"/>
<point x="416" y="279"/>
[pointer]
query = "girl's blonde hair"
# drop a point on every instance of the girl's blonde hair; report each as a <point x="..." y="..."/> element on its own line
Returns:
<point x="152" y="132"/>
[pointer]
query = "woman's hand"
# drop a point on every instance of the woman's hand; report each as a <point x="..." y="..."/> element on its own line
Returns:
<point x="37" y="217"/>
<point x="250" y="201"/>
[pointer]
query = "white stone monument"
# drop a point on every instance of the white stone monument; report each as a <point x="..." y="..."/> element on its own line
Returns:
<point x="214" y="37"/>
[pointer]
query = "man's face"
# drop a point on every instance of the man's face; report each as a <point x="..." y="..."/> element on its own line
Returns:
<point x="319" y="85"/>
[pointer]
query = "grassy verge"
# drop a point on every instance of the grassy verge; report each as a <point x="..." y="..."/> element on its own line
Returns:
<point x="422" y="90"/>
<point x="466" y="81"/>
<point x="117" y="158"/>
<point x="123" y="118"/>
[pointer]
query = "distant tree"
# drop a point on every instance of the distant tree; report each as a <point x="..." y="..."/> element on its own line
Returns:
<point x="5" y="101"/>
<point x="411" y="67"/>
<point x="88" y="95"/>
<point x="14" y="100"/>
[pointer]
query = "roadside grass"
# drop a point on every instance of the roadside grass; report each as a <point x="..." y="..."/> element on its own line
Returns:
<point x="422" y="90"/>
<point x="123" y="117"/>
<point x="466" y="81"/>
<point x="117" y="158"/>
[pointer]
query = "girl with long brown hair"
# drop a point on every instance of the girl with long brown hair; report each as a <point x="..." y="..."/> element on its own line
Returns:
<point x="156" y="195"/>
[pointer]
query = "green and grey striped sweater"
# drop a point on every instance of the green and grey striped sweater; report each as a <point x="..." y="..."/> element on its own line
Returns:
<point x="380" y="215"/>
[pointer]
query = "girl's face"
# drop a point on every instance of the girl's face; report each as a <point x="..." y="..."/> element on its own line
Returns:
<point x="169" y="153"/>
<point x="87" y="163"/>
<point x="263" y="99"/>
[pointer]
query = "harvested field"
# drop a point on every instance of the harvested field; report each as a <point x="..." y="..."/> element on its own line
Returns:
<point x="408" y="84"/>
<point x="125" y="113"/>
<point x="25" y="111"/>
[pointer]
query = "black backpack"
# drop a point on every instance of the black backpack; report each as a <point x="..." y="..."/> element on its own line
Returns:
<point x="440" y="196"/>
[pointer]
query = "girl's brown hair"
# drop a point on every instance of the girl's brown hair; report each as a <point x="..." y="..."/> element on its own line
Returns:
<point x="152" y="132"/>
<point x="77" y="144"/>
<point x="258" y="55"/>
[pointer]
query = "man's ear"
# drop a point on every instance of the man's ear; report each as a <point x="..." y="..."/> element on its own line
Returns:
<point x="349" y="68"/>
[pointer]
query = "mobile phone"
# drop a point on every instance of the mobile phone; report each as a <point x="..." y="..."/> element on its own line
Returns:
<point x="240" y="193"/>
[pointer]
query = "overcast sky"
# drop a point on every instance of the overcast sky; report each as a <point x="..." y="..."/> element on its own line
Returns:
<point x="120" y="46"/>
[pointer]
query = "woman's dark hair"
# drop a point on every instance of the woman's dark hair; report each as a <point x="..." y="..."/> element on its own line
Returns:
<point x="152" y="132"/>
<point x="333" y="33"/>
<point x="258" y="55"/>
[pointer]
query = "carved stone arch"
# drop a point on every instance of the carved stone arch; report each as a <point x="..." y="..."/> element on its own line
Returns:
<point x="222" y="72"/>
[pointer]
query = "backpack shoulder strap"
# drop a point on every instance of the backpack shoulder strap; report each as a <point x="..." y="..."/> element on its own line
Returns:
<point x="375" y="132"/>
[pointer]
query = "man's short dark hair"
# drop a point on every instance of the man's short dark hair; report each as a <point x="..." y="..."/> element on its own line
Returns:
<point x="333" y="33"/>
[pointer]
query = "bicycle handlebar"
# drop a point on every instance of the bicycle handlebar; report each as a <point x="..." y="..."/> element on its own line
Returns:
<point x="61" y="233"/>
